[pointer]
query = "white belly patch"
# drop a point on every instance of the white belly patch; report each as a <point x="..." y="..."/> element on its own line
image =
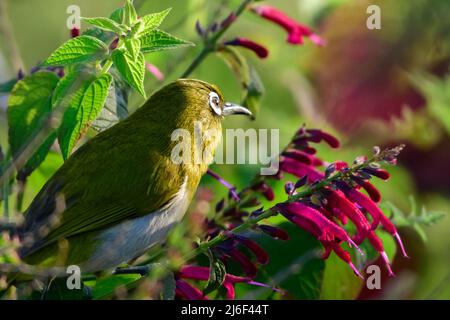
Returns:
<point x="132" y="238"/>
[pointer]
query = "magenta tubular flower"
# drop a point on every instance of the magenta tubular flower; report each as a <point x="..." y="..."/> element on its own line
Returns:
<point x="321" y="227"/>
<point x="265" y="189"/>
<point x="246" y="264"/>
<point x="379" y="173"/>
<point x="261" y="256"/>
<point x="376" y="214"/>
<point x="185" y="291"/>
<point x="378" y="245"/>
<point x="295" y="30"/>
<point x="300" y="169"/>
<point x="336" y="199"/>
<point x="303" y="157"/>
<point x="258" y="49"/>
<point x="155" y="71"/>
<point x="318" y="135"/>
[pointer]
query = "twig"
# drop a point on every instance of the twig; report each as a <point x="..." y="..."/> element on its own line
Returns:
<point x="210" y="44"/>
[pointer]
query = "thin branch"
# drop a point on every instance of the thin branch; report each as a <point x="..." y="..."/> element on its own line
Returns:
<point x="8" y="35"/>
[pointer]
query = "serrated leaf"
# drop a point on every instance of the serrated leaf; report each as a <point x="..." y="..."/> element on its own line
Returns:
<point x="158" y="40"/>
<point x="7" y="86"/>
<point x="129" y="13"/>
<point x="80" y="49"/>
<point x="153" y="20"/>
<point x="29" y="106"/>
<point x="217" y="273"/>
<point x="106" y="24"/>
<point x="84" y="107"/>
<point x="132" y="70"/>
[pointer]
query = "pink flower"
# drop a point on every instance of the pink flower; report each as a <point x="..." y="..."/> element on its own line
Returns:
<point x="155" y="71"/>
<point x="376" y="214"/>
<point x="325" y="230"/>
<point x="185" y="291"/>
<point x="258" y="49"/>
<point x="300" y="169"/>
<point x="295" y="30"/>
<point x="336" y="199"/>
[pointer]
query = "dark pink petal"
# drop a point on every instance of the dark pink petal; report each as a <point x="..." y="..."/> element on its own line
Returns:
<point x="336" y="199"/>
<point x="261" y="256"/>
<point x="258" y="49"/>
<point x="295" y="30"/>
<point x="300" y="169"/>
<point x="187" y="292"/>
<point x="339" y="165"/>
<point x="379" y="173"/>
<point x="328" y="138"/>
<point x="323" y="228"/>
<point x="247" y="266"/>
<point x="194" y="272"/>
<point x="372" y="208"/>
<point x="373" y="192"/>
<point x="74" y="32"/>
<point x="378" y="245"/>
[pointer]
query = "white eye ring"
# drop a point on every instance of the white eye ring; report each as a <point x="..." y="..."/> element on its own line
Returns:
<point x="214" y="103"/>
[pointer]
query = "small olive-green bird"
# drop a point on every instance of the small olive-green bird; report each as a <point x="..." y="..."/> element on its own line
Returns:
<point x="121" y="192"/>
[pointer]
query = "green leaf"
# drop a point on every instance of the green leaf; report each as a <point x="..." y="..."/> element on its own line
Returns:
<point x="154" y="20"/>
<point x="7" y="86"/>
<point x="254" y="92"/>
<point x="132" y="70"/>
<point x="116" y="104"/>
<point x="217" y="273"/>
<point x="58" y="291"/>
<point x="129" y="13"/>
<point x="133" y="47"/>
<point x="29" y="106"/>
<point x="84" y="106"/>
<point x="117" y="15"/>
<point x="80" y="49"/>
<point x="158" y="40"/>
<point x="339" y="282"/>
<point x="106" y="24"/>
<point x="106" y="287"/>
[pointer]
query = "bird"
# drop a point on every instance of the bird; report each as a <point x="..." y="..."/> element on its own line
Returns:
<point x="121" y="192"/>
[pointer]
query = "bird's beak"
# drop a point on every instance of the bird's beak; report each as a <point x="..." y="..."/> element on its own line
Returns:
<point x="231" y="108"/>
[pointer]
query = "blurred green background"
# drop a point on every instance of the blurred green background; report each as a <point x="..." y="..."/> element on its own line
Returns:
<point x="369" y="87"/>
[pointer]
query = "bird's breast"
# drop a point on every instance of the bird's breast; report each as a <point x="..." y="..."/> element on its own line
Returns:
<point x="133" y="237"/>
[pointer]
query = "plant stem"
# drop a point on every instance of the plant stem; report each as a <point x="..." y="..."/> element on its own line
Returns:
<point x="210" y="44"/>
<point x="107" y="66"/>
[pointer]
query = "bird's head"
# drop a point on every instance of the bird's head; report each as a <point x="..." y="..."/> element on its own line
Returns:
<point x="190" y="105"/>
<point x="186" y="100"/>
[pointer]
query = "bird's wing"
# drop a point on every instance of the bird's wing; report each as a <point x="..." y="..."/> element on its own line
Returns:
<point x="99" y="186"/>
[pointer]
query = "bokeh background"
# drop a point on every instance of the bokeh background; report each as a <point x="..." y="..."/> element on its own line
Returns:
<point x="369" y="87"/>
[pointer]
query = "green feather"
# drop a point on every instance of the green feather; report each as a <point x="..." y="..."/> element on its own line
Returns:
<point x="124" y="172"/>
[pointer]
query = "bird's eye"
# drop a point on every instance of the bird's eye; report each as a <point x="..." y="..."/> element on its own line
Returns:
<point x="214" y="103"/>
